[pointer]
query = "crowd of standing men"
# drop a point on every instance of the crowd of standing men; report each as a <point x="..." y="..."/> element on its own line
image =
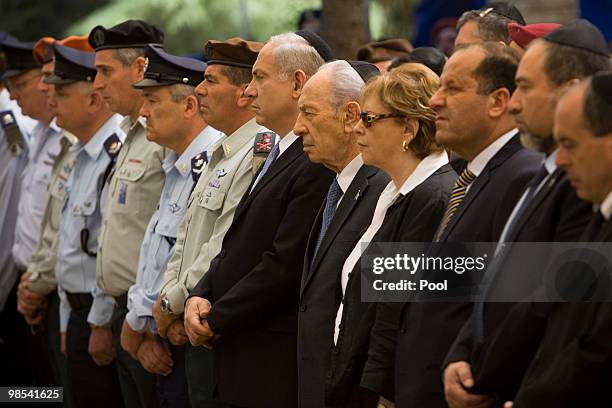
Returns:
<point x="181" y="233"/>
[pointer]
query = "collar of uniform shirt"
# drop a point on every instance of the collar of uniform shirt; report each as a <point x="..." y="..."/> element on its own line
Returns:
<point x="606" y="207"/>
<point x="348" y="173"/>
<point x="232" y="143"/>
<point x="479" y="162"/>
<point x="208" y="137"/>
<point x="285" y="142"/>
<point x="95" y="145"/>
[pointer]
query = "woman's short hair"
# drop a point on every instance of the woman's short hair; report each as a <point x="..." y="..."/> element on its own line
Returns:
<point x="406" y="91"/>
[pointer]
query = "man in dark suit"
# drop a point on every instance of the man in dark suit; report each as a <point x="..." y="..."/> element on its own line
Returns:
<point x="254" y="282"/>
<point x="549" y="210"/>
<point x="329" y="110"/>
<point x="473" y="119"/>
<point x="573" y="365"/>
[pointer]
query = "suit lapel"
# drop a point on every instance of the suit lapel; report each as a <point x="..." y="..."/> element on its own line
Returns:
<point x="482" y="180"/>
<point x="282" y="162"/>
<point x="535" y="203"/>
<point x="351" y="198"/>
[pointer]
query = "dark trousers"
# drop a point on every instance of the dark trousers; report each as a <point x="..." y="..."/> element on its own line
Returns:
<point x="15" y="345"/>
<point x="137" y="384"/>
<point x="56" y="357"/>
<point x="92" y="385"/>
<point x="200" y="377"/>
<point x="172" y="389"/>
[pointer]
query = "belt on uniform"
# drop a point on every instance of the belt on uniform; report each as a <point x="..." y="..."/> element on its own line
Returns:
<point x="79" y="300"/>
<point x="121" y="300"/>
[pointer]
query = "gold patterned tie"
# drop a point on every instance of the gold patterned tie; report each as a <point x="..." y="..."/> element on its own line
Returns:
<point x="461" y="185"/>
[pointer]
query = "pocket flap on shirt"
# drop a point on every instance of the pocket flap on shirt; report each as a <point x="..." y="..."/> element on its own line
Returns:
<point x="212" y="198"/>
<point x="131" y="171"/>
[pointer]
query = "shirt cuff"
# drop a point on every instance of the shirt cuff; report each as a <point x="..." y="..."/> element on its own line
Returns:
<point x="42" y="283"/>
<point x="64" y="310"/>
<point x="137" y="323"/>
<point x="102" y="309"/>
<point x="177" y="295"/>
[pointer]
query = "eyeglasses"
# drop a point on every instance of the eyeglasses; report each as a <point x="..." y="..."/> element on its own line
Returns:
<point x="368" y="119"/>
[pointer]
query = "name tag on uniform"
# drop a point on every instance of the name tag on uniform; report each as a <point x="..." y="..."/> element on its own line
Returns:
<point x="122" y="193"/>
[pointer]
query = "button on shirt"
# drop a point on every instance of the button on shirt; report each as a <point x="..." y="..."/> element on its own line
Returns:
<point x="44" y="149"/>
<point x="428" y="166"/>
<point x="161" y="232"/>
<point x="75" y="270"/>
<point x="210" y="213"/>
<point x="129" y="200"/>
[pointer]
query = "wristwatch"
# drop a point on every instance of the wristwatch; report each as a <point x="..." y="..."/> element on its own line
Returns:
<point x="165" y="306"/>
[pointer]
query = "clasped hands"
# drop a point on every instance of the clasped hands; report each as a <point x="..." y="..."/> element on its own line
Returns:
<point x="196" y="325"/>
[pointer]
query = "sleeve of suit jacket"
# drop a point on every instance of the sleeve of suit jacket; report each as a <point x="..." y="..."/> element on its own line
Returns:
<point x="270" y="284"/>
<point x="413" y="221"/>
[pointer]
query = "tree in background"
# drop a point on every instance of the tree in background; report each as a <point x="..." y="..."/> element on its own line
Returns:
<point x="345" y="26"/>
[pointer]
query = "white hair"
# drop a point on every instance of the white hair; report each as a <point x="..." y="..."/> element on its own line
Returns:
<point x="345" y="83"/>
<point x="292" y="52"/>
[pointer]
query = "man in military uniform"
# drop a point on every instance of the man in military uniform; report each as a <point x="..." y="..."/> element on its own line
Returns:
<point x="132" y="193"/>
<point x="211" y="208"/>
<point x="253" y="283"/>
<point x="82" y="111"/>
<point x="174" y="120"/>
<point x="38" y="151"/>
<point x="37" y="296"/>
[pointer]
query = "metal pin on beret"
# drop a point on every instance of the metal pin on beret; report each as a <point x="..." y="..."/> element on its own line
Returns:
<point x="129" y="34"/>
<point x="234" y="52"/>
<point x="71" y="65"/>
<point x="167" y="69"/>
<point x="18" y="56"/>
<point x="523" y="35"/>
<point x="580" y="34"/>
<point x="318" y="44"/>
<point x="602" y="85"/>
<point x="365" y="69"/>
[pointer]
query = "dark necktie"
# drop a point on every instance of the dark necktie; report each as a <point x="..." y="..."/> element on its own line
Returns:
<point x="594" y="227"/>
<point x="331" y="202"/>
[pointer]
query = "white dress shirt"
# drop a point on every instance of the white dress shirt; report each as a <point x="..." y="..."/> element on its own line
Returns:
<point x="428" y="166"/>
<point x="478" y="163"/>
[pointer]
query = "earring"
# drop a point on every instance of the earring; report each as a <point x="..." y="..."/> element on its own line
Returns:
<point x="405" y="146"/>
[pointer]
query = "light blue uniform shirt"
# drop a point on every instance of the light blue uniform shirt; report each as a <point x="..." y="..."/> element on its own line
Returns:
<point x="42" y="152"/>
<point x="10" y="175"/>
<point x="158" y="243"/>
<point x="75" y="270"/>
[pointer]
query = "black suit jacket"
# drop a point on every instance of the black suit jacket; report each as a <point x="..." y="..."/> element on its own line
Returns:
<point x="364" y="353"/>
<point x="254" y="283"/>
<point x="555" y="213"/>
<point x="320" y="291"/>
<point x="573" y="365"/>
<point x="427" y="330"/>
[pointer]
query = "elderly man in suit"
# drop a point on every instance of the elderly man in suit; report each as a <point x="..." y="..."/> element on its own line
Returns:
<point x="253" y="283"/>
<point x="549" y="210"/>
<point x="473" y="119"/>
<point x="326" y="125"/>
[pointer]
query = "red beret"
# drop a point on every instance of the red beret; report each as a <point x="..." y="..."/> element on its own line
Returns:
<point x="523" y="35"/>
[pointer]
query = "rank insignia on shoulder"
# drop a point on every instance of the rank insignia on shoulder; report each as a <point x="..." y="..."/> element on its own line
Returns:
<point x="7" y="119"/>
<point x="113" y="145"/>
<point x="264" y="142"/>
<point x="197" y="165"/>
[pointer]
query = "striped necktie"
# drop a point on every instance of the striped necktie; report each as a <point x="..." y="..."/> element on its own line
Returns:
<point x="456" y="197"/>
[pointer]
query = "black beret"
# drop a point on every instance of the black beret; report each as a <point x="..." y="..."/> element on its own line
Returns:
<point x="19" y="56"/>
<point x="318" y="44"/>
<point x="71" y="65"/>
<point x="365" y="69"/>
<point x="504" y="9"/>
<point x="167" y="69"/>
<point x="580" y="34"/>
<point x="602" y="85"/>
<point x="234" y="52"/>
<point x="129" y="34"/>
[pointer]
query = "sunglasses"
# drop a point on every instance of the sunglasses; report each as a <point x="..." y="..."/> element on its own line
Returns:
<point x="368" y="119"/>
